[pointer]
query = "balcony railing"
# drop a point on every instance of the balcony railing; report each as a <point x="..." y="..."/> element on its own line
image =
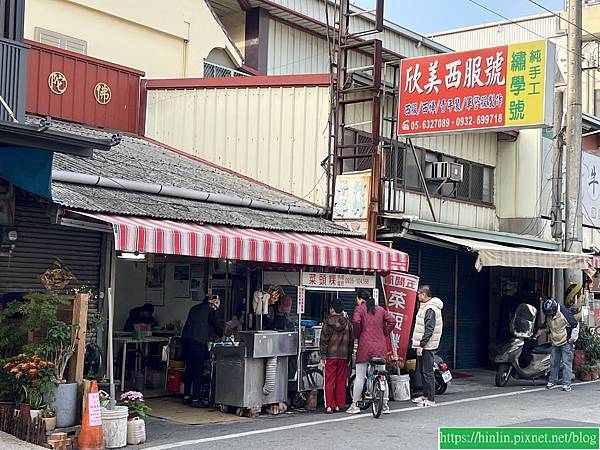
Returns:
<point x="212" y="70"/>
<point x="13" y="70"/>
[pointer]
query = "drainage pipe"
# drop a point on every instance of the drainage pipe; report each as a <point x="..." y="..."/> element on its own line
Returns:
<point x="177" y="192"/>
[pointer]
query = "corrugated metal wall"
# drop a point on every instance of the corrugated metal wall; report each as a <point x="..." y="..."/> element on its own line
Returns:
<point x="277" y="135"/>
<point x="77" y="103"/>
<point x="391" y="39"/>
<point x="40" y="243"/>
<point x="500" y="33"/>
<point x="292" y="51"/>
<point x="449" y="211"/>
<point x="13" y="71"/>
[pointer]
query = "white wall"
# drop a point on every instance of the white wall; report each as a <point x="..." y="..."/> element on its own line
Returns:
<point x="165" y="39"/>
<point x="130" y="292"/>
<point x="518" y="176"/>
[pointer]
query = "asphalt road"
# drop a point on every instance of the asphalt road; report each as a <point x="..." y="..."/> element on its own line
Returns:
<point x="407" y="427"/>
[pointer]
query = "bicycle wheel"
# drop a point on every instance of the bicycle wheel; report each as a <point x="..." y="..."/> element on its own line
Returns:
<point x="313" y="378"/>
<point x="377" y="405"/>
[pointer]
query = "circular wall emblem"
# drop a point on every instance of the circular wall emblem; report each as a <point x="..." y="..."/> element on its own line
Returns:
<point x="102" y="93"/>
<point x="57" y="82"/>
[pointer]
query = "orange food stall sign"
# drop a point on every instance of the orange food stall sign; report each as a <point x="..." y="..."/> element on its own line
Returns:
<point x="506" y="87"/>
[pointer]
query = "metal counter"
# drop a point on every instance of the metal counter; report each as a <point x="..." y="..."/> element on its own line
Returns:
<point x="240" y="370"/>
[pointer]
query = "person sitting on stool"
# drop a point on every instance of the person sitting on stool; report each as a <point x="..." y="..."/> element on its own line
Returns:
<point x="140" y="315"/>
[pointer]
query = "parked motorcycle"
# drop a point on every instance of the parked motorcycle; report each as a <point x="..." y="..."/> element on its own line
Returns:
<point x="442" y="375"/>
<point x="512" y="361"/>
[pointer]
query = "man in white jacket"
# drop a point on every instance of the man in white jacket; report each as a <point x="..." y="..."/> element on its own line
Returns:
<point x="426" y="340"/>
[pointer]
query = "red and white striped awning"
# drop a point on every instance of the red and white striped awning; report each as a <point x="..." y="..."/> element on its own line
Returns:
<point x="146" y="235"/>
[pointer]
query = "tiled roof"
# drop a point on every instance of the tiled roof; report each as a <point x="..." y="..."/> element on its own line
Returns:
<point x="137" y="159"/>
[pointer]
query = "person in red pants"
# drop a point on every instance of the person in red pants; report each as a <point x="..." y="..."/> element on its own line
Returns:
<point x="337" y="344"/>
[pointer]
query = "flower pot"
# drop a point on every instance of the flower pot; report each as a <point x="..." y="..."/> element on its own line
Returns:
<point x="49" y="423"/>
<point x="65" y="402"/>
<point x="114" y="426"/>
<point x="578" y="359"/>
<point x="35" y="413"/>
<point x="24" y="409"/>
<point x="585" y="376"/>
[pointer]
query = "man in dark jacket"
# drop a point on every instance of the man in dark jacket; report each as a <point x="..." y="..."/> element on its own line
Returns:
<point x="201" y="325"/>
<point x="337" y="342"/>
<point x="563" y="330"/>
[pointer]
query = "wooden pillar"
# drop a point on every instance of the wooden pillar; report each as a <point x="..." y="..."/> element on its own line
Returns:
<point x="80" y="313"/>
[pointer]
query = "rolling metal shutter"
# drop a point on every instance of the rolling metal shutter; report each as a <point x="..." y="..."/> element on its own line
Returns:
<point x="437" y="271"/>
<point x="39" y="243"/>
<point x="473" y="314"/>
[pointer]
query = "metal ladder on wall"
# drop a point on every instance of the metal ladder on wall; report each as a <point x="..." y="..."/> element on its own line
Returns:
<point x="358" y="85"/>
<point x="394" y="152"/>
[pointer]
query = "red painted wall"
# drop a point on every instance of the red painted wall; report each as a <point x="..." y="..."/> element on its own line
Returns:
<point x="77" y="103"/>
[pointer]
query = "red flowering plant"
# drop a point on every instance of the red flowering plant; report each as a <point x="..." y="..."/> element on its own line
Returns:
<point x="34" y="376"/>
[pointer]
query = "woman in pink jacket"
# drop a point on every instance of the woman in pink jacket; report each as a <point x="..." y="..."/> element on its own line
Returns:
<point x="372" y="324"/>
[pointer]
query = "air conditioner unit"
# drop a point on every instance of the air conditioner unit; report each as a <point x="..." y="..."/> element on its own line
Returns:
<point x="445" y="171"/>
<point x="438" y="171"/>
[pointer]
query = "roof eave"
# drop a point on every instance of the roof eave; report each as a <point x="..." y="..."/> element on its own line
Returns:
<point x="424" y="226"/>
<point x="44" y="138"/>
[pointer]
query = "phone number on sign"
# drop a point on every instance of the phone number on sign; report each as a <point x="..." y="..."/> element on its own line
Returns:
<point x="462" y="121"/>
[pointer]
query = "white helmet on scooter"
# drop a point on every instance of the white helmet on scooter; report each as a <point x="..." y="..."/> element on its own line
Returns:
<point x="550" y="306"/>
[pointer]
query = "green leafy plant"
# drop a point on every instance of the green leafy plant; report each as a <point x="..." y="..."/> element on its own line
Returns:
<point x="12" y="333"/>
<point x="48" y="412"/>
<point x="58" y="344"/>
<point x="9" y="391"/>
<point x="135" y="403"/>
<point x="104" y="399"/>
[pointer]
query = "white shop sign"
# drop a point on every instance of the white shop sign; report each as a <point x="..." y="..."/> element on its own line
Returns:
<point x="337" y="280"/>
<point x="301" y="299"/>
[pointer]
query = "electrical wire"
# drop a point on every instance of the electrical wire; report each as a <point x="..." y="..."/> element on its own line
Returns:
<point x="597" y="38"/>
<point x="532" y="32"/>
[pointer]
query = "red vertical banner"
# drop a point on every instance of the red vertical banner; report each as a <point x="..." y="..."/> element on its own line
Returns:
<point x="400" y="290"/>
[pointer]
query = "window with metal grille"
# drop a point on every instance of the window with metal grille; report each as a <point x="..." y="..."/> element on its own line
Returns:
<point x="358" y="163"/>
<point x="399" y="162"/>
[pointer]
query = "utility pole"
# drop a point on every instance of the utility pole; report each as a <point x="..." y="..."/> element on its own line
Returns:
<point x="574" y="215"/>
<point x="557" y="168"/>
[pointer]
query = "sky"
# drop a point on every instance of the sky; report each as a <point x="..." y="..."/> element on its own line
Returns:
<point x="430" y="16"/>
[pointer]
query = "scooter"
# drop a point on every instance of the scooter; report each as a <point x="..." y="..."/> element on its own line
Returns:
<point x="508" y="359"/>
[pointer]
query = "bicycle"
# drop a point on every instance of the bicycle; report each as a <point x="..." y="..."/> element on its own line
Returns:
<point x="374" y="388"/>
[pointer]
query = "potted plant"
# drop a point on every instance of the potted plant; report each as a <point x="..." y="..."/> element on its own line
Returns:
<point x="49" y="418"/>
<point x="585" y="372"/>
<point x="35" y="400"/>
<point x="34" y="376"/>
<point x="135" y="403"/>
<point x="137" y="410"/>
<point x="57" y="344"/>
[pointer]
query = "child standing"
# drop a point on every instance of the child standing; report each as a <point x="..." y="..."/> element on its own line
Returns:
<point x="337" y="344"/>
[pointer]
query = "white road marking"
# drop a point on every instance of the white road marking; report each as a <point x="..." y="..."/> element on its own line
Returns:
<point x="341" y="419"/>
